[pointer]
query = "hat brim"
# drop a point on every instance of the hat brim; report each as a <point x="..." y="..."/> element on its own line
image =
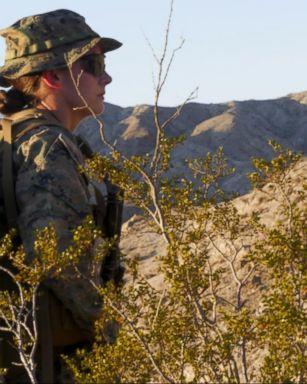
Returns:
<point x="52" y="59"/>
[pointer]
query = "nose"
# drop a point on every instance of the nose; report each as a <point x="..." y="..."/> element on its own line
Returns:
<point x="106" y="78"/>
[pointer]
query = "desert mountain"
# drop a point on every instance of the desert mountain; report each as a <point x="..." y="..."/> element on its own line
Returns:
<point x="242" y="128"/>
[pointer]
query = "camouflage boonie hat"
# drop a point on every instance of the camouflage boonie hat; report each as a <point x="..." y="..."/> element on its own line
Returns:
<point x="48" y="41"/>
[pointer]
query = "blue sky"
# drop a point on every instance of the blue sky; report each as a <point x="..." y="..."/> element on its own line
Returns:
<point x="234" y="49"/>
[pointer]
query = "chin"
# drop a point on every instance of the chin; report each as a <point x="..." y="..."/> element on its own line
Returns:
<point x="99" y="109"/>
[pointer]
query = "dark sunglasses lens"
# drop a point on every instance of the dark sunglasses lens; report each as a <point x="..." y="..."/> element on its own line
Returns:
<point x="93" y="64"/>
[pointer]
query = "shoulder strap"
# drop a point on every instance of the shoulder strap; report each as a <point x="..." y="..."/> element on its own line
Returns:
<point x="8" y="175"/>
<point x="27" y="120"/>
<point x="8" y="185"/>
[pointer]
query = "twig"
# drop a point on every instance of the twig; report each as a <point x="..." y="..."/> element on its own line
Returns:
<point x="151" y="47"/>
<point x="158" y="308"/>
<point x="190" y="97"/>
<point x="244" y="361"/>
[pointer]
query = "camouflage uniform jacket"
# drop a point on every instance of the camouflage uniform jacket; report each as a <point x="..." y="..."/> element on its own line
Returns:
<point x="50" y="190"/>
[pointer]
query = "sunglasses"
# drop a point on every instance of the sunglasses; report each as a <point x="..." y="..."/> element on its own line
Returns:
<point x="93" y="64"/>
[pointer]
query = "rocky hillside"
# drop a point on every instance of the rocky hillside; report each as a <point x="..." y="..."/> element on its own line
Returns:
<point x="139" y="241"/>
<point x="242" y="128"/>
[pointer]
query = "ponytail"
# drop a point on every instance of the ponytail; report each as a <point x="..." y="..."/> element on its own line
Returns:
<point x="12" y="101"/>
<point x="20" y="96"/>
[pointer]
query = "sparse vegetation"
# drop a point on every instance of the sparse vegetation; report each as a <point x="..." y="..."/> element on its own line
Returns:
<point x="205" y="325"/>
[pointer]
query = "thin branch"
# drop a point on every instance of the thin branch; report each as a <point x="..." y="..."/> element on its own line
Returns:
<point x="212" y="289"/>
<point x="165" y="46"/>
<point x="158" y="308"/>
<point x="7" y="271"/>
<point x="12" y="308"/>
<point x="244" y="361"/>
<point x="162" y="77"/>
<point x="197" y="305"/>
<point x="34" y="323"/>
<point x="181" y="364"/>
<point x="163" y="80"/>
<point x="4" y="329"/>
<point x="225" y="258"/>
<point x="155" y="56"/>
<point x="177" y="113"/>
<point x="247" y="276"/>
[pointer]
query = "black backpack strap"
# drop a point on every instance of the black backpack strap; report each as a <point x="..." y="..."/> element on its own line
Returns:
<point x="8" y="175"/>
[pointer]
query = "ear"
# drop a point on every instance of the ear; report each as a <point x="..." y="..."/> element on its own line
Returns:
<point x="51" y="79"/>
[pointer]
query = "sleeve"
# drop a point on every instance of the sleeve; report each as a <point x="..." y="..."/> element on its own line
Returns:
<point x="51" y="190"/>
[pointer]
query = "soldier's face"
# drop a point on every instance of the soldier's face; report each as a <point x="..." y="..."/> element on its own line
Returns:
<point x="87" y="90"/>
